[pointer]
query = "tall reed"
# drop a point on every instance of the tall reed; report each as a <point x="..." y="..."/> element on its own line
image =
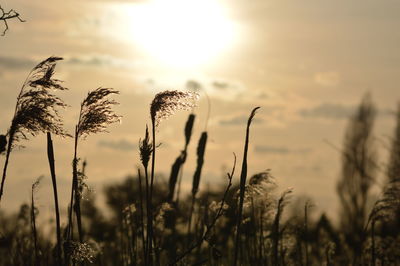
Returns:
<point x="95" y="115"/>
<point x="276" y="230"/>
<point x="243" y="176"/>
<point x="33" y="221"/>
<point x="165" y="104"/>
<point x="36" y="109"/>
<point x="50" y="156"/>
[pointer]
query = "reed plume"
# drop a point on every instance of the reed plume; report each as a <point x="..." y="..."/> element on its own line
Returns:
<point x="95" y="115"/>
<point x="36" y="109"/>
<point x="164" y="105"/>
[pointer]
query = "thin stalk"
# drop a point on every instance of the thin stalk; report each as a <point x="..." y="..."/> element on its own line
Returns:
<point x="11" y="138"/>
<point x="190" y="218"/>
<point x="373" y="252"/>
<point x="150" y="222"/>
<point x="243" y="176"/>
<point x="210" y="227"/>
<point x="74" y="185"/>
<point x="34" y="232"/>
<point x="50" y="155"/>
<point x="306" y="232"/>
<point x="148" y="214"/>
<point x="9" y="147"/>
<point x="178" y="193"/>
<point x="141" y="213"/>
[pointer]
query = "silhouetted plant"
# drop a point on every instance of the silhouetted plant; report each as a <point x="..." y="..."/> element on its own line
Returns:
<point x="165" y="104"/>
<point x="358" y="174"/>
<point x="34" y="212"/>
<point x="95" y="115"/>
<point x="243" y="176"/>
<point x="180" y="160"/>
<point x="50" y="156"/>
<point x="201" y="148"/>
<point x="36" y="109"/>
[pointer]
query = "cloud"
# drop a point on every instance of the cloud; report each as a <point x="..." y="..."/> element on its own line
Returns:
<point x="329" y="110"/>
<point x="193" y="85"/>
<point x="327" y="79"/>
<point x="279" y="150"/>
<point x="238" y="120"/>
<point x="99" y="61"/>
<point x="220" y="85"/>
<point x="16" y="62"/>
<point x="120" y="145"/>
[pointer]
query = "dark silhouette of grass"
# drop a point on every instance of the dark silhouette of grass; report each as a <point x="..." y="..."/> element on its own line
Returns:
<point x="50" y="155"/>
<point x="36" y="109"/>
<point x="242" y="224"/>
<point x="243" y="176"/>
<point x="94" y="116"/>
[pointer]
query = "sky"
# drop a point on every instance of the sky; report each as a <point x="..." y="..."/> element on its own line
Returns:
<point x="307" y="64"/>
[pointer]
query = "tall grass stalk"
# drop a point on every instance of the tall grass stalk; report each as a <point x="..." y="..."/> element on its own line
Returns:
<point x="243" y="176"/>
<point x="141" y="214"/>
<point x="306" y="207"/>
<point x="50" y="156"/>
<point x="94" y="116"/>
<point x="33" y="221"/>
<point x="36" y="109"/>
<point x="146" y="149"/>
<point x="276" y="230"/>
<point x="209" y="227"/>
<point x="164" y="105"/>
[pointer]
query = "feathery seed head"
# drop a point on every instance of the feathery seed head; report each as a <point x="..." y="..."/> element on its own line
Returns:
<point x="166" y="103"/>
<point x="37" y="108"/>
<point x="96" y="112"/>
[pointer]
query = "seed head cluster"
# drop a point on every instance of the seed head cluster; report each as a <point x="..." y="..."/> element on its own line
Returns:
<point x="96" y="112"/>
<point x="166" y="103"/>
<point x="37" y="108"/>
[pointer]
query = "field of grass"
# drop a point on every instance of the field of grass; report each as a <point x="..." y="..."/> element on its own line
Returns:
<point x="246" y="222"/>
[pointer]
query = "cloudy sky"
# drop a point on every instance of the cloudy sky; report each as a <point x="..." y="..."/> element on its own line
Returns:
<point x="306" y="63"/>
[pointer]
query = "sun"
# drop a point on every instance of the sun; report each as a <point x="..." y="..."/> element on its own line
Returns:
<point x="180" y="32"/>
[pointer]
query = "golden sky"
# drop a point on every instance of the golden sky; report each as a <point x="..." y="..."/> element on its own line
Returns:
<point x="306" y="63"/>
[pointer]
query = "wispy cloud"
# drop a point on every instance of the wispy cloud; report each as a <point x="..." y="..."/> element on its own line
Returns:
<point x="120" y="145"/>
<point x="15" y="63"/>
<point x="280" y="150"/>
<point x="328" y="110"/>
<point x="238" y="120"/>
<point x="99" y="60"/>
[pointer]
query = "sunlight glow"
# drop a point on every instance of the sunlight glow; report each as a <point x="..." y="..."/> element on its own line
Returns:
<point x="180" y="32"/>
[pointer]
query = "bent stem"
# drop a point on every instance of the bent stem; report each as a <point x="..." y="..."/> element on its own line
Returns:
<point x="243" y="176"/>
<point x="50" y="155"/>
